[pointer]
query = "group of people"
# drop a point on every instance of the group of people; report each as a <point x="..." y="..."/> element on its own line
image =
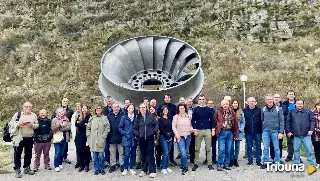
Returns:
<point x="142" y="137"/>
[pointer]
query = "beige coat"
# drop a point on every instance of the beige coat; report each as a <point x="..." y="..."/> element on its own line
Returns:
<point x="55" y="126"/>
<point x="98" y="129"/>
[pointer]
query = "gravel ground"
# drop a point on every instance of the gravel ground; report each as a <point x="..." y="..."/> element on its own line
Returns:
<point x="241" y="173"/>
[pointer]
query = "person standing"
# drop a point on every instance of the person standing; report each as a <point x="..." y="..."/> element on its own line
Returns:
<point x="127" y="102"/>
<point x="60" y="124"/>
<point x="106" y="111"/>
<point x="75" y="115"/>
<point x="226" y="127"/>
<point x="145" y="129"/>
<point x="301" y="125"/>
<point x="273" y="127"/>
<point x="182" y="128"/>
<point x="235" y="148"/>
<point x="316" y="133"/>
<point x="81" y="138"/>
<point x="210" y="104"/>
<point x="129" y="141"/>
<point x="203" y="124"/>
<point x="42" y="140"/>
<point x="115" y="138"/>
<point x="153" y="103"/>
<point x="21" y="129"/>
<point x="253" y="130"/>
<point x="166" y="133"/>
<point x="68" y="114"/>
<point x="97" y="130"/>
<point x="291" y="105"/>
<point x="172" y="112"/>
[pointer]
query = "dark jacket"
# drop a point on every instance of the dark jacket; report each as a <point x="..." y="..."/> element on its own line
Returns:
<point x="285" y="113"/>
<point x="172" y="109"/>
<point x="107" y="110"/>
<point x="218" y="119"/>
<point x="114" y="136"/>
<point x="126" y="130"/>
<point x="81" y="138"/>
<point x="300" y="122"/>
<point x="202" y="118"/>
<point x="43" y="133"/>
<point x="145" y="128"/>
<point x="69" y="113"/>
<point x="165" y="127"/>
<point x="272" y="119"/>
<point x="253" y="122"/>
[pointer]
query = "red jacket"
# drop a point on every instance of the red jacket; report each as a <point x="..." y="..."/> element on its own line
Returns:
<point x="218" y="122"/>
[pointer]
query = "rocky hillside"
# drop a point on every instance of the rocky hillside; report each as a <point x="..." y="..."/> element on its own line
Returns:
<point x="50" y="49"/>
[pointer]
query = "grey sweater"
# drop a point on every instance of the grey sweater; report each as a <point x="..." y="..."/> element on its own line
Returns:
<point x="272" y="119"/>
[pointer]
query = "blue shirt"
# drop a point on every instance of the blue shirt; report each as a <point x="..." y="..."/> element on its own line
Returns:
<point x="292" y="106"/>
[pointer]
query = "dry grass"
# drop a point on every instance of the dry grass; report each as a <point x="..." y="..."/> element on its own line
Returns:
<point x="6" y="155"/>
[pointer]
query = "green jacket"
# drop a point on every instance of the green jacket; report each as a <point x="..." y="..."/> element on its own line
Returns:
<point x="98" y="128"/>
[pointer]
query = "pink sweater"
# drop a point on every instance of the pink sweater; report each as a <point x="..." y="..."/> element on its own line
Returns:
<point x="181" y="126"/>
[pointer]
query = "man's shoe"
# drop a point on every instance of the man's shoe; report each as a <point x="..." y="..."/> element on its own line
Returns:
<point x="178" y="157"/>
<point x="236" y="164"/>
<point x="28" y="171"/>
<point x="47" y="167"/>
<point x="67" y="161"/>
<point x="138" y="167"/>
<point x="219" y="168"/>
<point x="227" y="167"/>
<point x="259" y="164"/>
<point x="106" y="164"/>
<point x="288" y="159"/>
<point x="86" y="169"/>
<point x="231" y="163"/>
<point x="77" y="165"/>
<point x="174" y="163"/>
<point x="112" y="169"/>
<point x="18" y="173"/>
<point x="96" y="172"/>
<point x="210" y="167"/>
<point x="80" y="169"/>
<point x="121" y="168"/>
<point x="184" y="171"/>
<point x="35" y="169"/>
<point x="250" y="163"/>
<point x="195" y="167"/>
<point x="264" y="166"/>
<point x="102" y="172"/>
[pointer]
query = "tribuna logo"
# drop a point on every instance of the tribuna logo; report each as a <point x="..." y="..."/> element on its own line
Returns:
<point x="278" y="167"/>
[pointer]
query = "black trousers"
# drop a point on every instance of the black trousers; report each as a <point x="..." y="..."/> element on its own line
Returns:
<point x="158" y="154"/>
<point x="147" y="155"/>
<point x="290" y="146"/>
<point x="214" y="148"/>
<point x="27" y="145"/>
<point x="272" y="149"/>
<point x="192" y="148"/>
<point x="84" y="156"/>
<point x="316" y="146"/>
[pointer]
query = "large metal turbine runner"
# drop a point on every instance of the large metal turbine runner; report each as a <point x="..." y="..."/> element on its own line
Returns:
<point x="167" y="64"/>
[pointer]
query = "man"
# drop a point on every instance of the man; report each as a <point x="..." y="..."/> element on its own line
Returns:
<point x="127" y="102"/>
<point x="210" y="104"/>
<point x="106" y="111"/>
<point x="42" y="139"/>
<point x="182" y="100"/>
<point x="69" y="113"/>
<point x="290" y="104"/>
<point x="253" y="130"/>
<point x="203" y="125"/>
<point x="172" y="111"/>
<point x="273" y="127"/>
<point x="115" y="138"/>
<point x="300" y="126"/>
<point x="277" y="102"/>
<point x="145" y="101"/>
<point x="153" y="103"/>
<point x="22" y="127"/>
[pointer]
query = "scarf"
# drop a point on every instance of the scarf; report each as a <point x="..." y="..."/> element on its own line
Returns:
<point x="131" y="116"/>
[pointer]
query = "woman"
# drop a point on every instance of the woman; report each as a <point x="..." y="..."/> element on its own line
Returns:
<point x="182" y="129"/>
<point x="145" y="128"/>
<point x="153" y="111"/>
<point x="60" y="123"/>
<point x="129" y="141"/>
<point x="97" y="131"/>
<point x="226" y="129"/>
<point x="236" y="143"/>
<point x="81" y="138"/>
<point x="73" y="128"/>
<point x="166" y="133"/>
<point x="316" y="132"/>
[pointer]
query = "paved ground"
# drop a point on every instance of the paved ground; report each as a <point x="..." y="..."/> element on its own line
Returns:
<point x="242" y="173"/>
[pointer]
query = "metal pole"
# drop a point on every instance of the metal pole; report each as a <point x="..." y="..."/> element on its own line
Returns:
<point x="244" y="94"/>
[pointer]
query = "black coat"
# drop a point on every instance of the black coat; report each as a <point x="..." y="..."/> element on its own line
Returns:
<point x="145" y="128"/>
<point x="114" y="136"/>
<point x="253" y="121"/>
<point x="43" y="133"/>
<point x="299" y="122"/>
<point x="81" y="137"/>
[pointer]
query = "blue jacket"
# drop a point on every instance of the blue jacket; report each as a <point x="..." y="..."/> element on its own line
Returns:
<point x="272" y="119"/>
<point x="300" y="122"/>
<point x="172" y="109"/>
<point x="114" y="136"/>
<point x="126" y="130"/>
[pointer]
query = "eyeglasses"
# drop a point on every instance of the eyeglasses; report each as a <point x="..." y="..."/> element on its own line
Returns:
<point x="201" y="99"/>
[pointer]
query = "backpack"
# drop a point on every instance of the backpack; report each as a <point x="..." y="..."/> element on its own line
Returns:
<point x="6" y="134"/>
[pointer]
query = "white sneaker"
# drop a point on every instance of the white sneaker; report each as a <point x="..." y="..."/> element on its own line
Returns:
<point x="153" y="175"/>
<point x="57" y="169"/>
<point x="142" y="173"/>
<point x="163" y="171"/>
<point x="169" y="170"/>
<point x="132" y="172"/>
<point x="61" y="167"/>
<point x="124" y="172"/>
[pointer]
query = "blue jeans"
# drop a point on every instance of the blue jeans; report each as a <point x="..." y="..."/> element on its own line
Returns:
<point x="273" y="137"/>
<point x="183" y="147"/>
<point x="225" y="140"/>
<point x="98" y="161"/>
<point x="166" y="147"/>
<point x="59" y="151"/>
<point x="65" y="155"/>
<point x="107" y="152"/>
<point x="129" y="154"/>
<point x="235" y="149"/>
<point x="257" y="140"/>
<point x="306" y="141"/>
